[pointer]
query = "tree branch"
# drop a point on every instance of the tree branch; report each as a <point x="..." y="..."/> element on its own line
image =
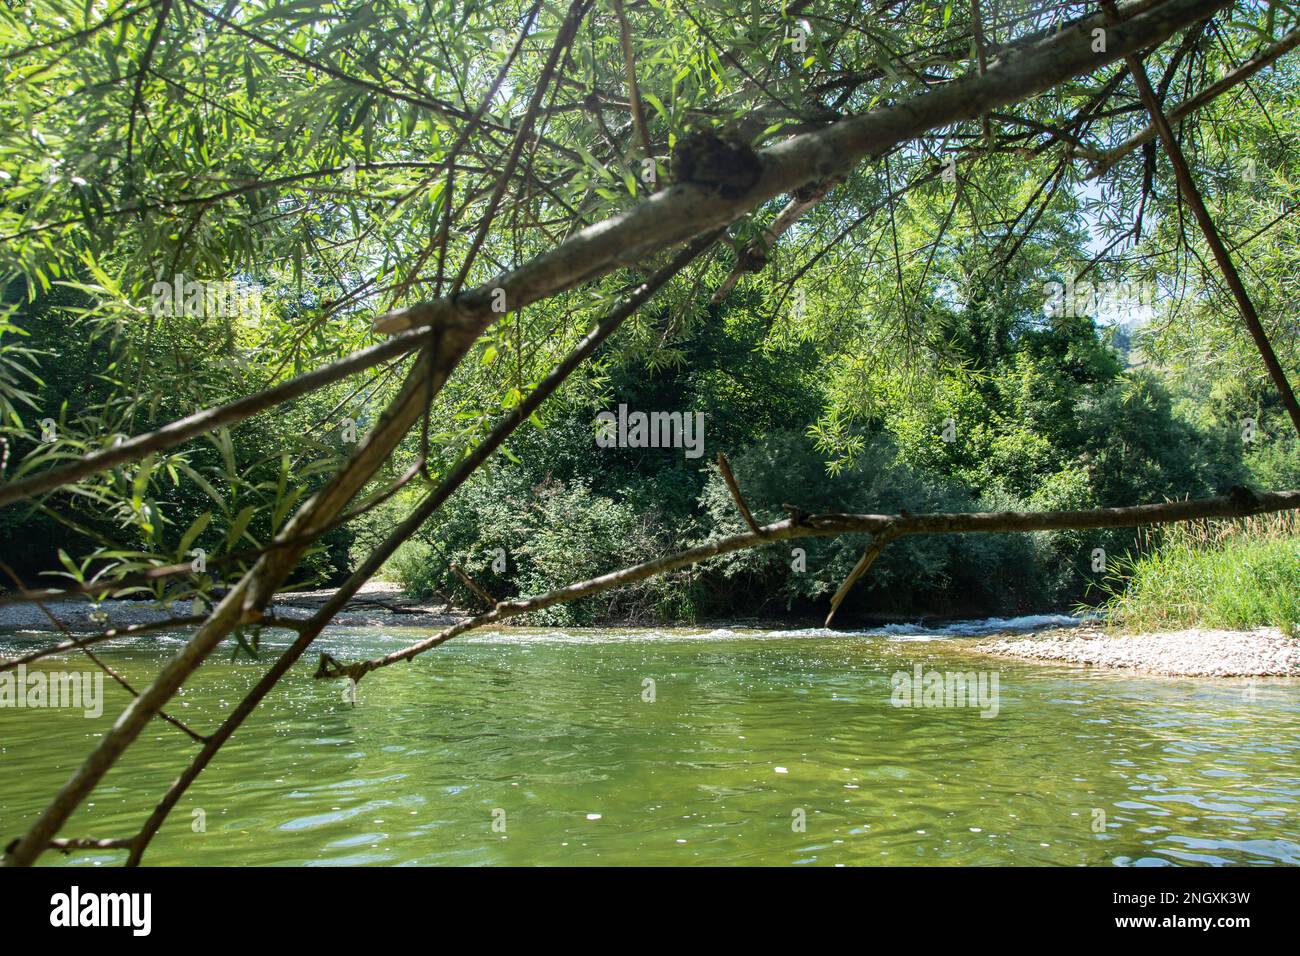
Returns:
<point x="885" y="527"/>
<point x="1192" y="196"/>
<point x="754" y="258"/>
<point x="684" y="210"/>
<point x="724" y="466"/>
<point x="137" y="102"/>
<point x="1105" y="161"/>
<point x="878" y="542"/>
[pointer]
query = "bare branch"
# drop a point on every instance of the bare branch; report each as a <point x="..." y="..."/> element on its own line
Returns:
<point x="487" y="599"/>
<point x="1238" y="504"/>
<point x="724" y="466"/>
<point x="878" y="542"/>
<point x="113" y="634"/>
<point x="91" y="843"/>
<point x="1105" y="161"/>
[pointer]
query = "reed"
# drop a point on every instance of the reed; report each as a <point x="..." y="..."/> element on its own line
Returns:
<point x="1237" y="574"/>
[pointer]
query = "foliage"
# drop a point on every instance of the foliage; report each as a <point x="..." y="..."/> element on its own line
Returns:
<point x="1234" y="575"/>
<point x="512" y="538"/>
<point x="340" y="159"/>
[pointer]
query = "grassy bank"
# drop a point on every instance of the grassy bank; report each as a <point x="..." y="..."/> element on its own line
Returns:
<point x="1237" y="574"/>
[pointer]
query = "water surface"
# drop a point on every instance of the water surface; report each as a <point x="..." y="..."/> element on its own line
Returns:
<point x="749" y="734"/>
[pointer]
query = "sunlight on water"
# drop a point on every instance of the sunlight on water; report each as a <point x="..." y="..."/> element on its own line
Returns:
<point x="750" y="734"/>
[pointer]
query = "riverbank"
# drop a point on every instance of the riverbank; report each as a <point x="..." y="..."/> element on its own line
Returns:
<point x="377" y="603"/>
<point x="384" y="603"/>
<point x="1193" y="652"/>
<point x="1048" y="639"/>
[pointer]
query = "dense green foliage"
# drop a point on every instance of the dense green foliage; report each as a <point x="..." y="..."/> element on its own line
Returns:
<point x="893" y="353"/>
<point x="224" y="495"/>
<point x="1051" y="421"/>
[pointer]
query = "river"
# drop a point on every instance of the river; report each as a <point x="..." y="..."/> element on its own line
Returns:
<point x="678" y="747"/>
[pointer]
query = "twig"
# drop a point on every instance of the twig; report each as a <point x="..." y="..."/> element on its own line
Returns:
<point x="90" y="843"/>
<point x="633" y="93"/>
<point x="81" y="645"/>
<point x="470" y="583"/>
<point x="137" y="98"/>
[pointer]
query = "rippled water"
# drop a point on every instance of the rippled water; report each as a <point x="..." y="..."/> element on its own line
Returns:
<point x="549" y="733"/>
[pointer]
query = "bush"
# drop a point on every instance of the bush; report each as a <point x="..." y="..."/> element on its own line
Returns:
<point x="551" y="534"/>
<point x="933" y="574"/>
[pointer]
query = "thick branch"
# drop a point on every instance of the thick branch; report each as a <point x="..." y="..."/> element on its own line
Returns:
<point x="685" y="210"/>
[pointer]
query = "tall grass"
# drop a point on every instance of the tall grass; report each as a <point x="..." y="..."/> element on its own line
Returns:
<point x="1227" y="574"/>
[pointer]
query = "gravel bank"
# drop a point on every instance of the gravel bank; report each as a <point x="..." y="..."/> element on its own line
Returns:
<point x="1264" y="652"/>
<point x="377" y="603"/>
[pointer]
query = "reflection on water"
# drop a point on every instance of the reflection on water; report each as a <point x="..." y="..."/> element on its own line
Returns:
<point x="549" y="736"/>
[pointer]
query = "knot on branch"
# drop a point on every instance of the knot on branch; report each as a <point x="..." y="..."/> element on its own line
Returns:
<point x="751" y="259"/>
<point x="797" y="515"/>
<point x="730" y="167"/>
<point x="811" y="191"/>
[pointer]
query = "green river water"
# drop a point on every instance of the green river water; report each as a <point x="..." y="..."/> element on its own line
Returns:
<point x="540" y="747"/>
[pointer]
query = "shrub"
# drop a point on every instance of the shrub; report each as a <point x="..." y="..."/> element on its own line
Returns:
<point x="552" y="534"/>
